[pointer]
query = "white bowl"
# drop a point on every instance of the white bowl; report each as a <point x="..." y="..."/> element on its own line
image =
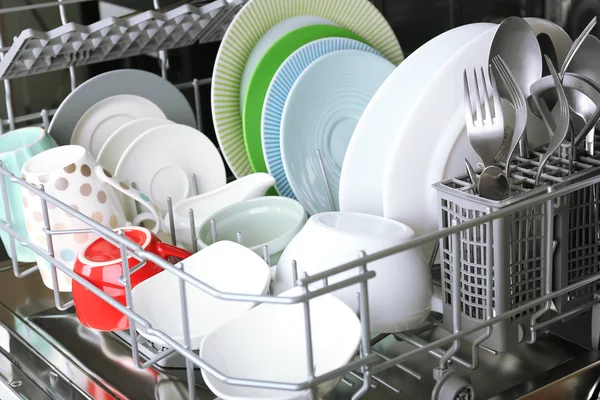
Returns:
<point x="400" y="294"/>
<point x="225" y="266"/>
<point x="264" y="221"/>
<point x="267" y="343"/>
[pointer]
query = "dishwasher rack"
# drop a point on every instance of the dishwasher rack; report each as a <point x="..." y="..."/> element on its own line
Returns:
<point x="369" y="362"/>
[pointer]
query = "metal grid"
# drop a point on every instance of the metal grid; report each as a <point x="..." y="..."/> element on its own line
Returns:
<point x="469" y="272"/>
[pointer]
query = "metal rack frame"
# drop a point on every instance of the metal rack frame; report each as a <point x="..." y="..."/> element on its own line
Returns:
<point x="368" y="363"/>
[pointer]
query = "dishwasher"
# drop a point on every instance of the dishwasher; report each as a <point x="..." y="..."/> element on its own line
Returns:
<point x="487" y="342"/>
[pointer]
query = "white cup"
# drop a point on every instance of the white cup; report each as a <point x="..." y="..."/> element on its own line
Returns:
<point x="400" y="295"/>
<point x="70" y="174"/>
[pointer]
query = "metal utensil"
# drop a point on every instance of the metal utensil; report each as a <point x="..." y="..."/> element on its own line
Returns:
<point x="472" y="176"/>
<point x="547" y="49"/>
<point x="576" y="44"/>
<point x="562" y="123"/>
<point x="516" y="43"/>
<point x="493" y="184"/>
<point x="486" y="128"/>
<point x="517" y="99"/>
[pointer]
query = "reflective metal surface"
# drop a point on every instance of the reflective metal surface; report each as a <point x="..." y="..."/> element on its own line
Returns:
<point x="53" y="356"/>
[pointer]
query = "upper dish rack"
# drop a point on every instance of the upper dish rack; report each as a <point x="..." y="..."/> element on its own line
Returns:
<point x="34" y="52"/>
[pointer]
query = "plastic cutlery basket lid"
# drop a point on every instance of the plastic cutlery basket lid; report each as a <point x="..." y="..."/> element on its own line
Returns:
<point x="263" y="221"/>
<point x="321" y="113"/>
<point x="277" y="95"/>
<point x="272" y="347"/>
<point x="225" y="266"/>
<point x="251" y="23"/>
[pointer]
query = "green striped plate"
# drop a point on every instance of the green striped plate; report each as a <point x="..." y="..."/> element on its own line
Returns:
<point x="253" y="21"/>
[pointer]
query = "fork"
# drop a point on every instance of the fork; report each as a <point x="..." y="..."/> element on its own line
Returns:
<point x="484" y="128"/>
<point x="562" y="122"/>
<point x="517" y="99"/>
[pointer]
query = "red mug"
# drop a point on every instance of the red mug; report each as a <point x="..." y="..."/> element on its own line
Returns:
<point x="100" y="263"/>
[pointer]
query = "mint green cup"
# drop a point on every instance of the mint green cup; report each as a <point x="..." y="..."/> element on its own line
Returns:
<point x="16" y="147"/>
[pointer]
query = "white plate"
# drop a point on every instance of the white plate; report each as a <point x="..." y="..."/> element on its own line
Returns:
<point x="272" y="347"/>
<point x="361" y="180"/>
<point x="320" y="113"/>
<point x="432" y="144"/>
<point x="162" y="160"/>
<point x="105" y="117"/>
<point x="267" y="40"/>
<point x="225" y="266"/>
<point x="117" y="143"/>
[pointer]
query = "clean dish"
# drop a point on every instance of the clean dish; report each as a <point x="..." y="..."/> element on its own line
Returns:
<point x="162" y="160"/>
<point x="400" y="294"/>
<point x="272" y="347"/>
<point x="225" y="266"/>
<point x="267" y="40"/>
<point x="263" y="75"/>
<point x="361" y="179"/>
<point x="119" y="141"/>
<point x="277" y="94"/>
<point x="100" y="264"/>
<point x="245" y="31"/>
<point x="123" y="81"/>
<point x="432" y="143"/>
<point x="320" y="113"/>
<point x="264" y="221"/>
<point x="105" y="117"/>
<point x="203" y="205"/>
<point x="16" y="147"/>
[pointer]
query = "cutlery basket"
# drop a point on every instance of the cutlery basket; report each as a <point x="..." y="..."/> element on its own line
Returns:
<point x="519" y="265"/>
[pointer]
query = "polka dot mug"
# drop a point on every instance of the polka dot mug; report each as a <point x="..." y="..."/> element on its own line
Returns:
<point x="71" y="175"/>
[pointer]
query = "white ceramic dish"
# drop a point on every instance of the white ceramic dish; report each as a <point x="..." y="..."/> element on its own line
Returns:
<point x="272" y="347"/>
<point x="225" y="266"/>
<point x="268" y="39"/>
<point x="205" y="204"/>
<point x="431" y="145"/>
<point x="162" y="160"/>
<point x="400" y="294"/>
<point x="264" y="221"/>
<point x="119" y="141"/>
<point x="320" y="113"/>
<point x="105" y="117"/>
<point x="361" y="179"/>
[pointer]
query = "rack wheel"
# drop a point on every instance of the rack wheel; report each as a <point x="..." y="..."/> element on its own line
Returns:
<point x="452" y="386"/>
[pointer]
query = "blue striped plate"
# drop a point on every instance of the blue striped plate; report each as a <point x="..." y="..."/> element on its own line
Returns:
<point x="278" y="92"/>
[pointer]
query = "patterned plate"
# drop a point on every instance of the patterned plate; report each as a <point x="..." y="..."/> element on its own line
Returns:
<point x="250" y="24"/>
<point x="278" y="93"/>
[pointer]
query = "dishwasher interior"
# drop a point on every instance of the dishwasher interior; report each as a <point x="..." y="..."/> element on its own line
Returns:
<point x="45" y="353"/>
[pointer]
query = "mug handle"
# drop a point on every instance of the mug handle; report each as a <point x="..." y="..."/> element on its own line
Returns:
<point x="165" y="250"/>
<point x="106" y="177"/>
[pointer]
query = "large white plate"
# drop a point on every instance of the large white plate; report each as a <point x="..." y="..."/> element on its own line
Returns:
<point x="112" y="151"/>
<point x="432" y="144"/>
<point x="267" y="40"/>
<point x="361" y="180"/>
<point x="320" y="113"/>
<point x="249" y="25"/>
<point x="162" y="160"/>
<point x="105" y="117"/>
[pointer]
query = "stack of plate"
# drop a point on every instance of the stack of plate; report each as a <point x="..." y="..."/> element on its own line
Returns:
<point x="140" y="128"/>
<point x="292" y="78"/>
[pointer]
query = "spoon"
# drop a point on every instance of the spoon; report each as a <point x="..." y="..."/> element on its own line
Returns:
<point x="516" y="42"/>
<point x="493" y="184"/>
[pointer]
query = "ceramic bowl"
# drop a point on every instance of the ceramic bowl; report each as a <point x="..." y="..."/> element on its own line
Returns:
<point x="225" y="266"/>
<point x="400" y="294"/>
<point x="205" y="204"/>
<point x="264" y="221"/>
<point x="272" y="347"/>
